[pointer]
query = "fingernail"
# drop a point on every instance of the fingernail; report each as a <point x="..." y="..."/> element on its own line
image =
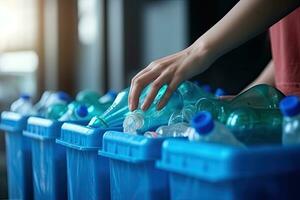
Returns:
<point x="143" y="107"/>
<point x="158" y="107"/>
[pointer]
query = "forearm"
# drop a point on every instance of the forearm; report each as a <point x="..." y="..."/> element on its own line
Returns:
<point x="245" y="20"/>
<point x="267" y="76"/>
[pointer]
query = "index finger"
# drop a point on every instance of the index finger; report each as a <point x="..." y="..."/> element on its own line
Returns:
<point x="137" y="85"/>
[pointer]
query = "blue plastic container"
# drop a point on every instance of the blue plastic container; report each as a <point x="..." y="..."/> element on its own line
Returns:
<point x="48" y="158"/>
<point x="88" y="173"/>
<point x="210" y="171"/>
<point x="132" y="166"/>
<point x="18" y="156"/>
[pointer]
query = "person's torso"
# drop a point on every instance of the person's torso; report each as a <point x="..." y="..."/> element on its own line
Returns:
<point x="285" y="40"/>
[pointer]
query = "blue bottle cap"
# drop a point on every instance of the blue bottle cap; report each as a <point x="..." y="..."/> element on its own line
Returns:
<point x="203" y="123"/>
<point x="207" y="88"/>
<point x="82" y="111"/>
<point x="197" y="82"/>
<point x="113" y="94"/>
<point x="290" y="106"/>
<point x="220" y="92"/>
<point x="63" y="96"/>
<point x="25" y="96"/>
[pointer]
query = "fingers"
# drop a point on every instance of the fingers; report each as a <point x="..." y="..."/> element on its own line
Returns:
<point x="155" y="87"/>
<point x="226" y="97"/>
<point x="137" y="86"/>
<point x="171" y="88"/>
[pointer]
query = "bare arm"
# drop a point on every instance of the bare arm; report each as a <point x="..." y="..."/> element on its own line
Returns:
<point x="245" y="20"/>
<point x="267" y="76"/>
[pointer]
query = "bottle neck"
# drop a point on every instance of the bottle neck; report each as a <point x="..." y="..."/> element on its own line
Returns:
<point x="98" y="122"/>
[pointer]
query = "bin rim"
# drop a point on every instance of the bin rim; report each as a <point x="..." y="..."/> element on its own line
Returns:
<point x="216" y="163"/>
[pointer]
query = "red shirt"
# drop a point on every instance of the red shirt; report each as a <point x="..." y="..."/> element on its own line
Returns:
<point x="285" y="42"/>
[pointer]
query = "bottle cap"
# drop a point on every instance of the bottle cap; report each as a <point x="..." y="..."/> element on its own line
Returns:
<point x="290" y="106"/>
<point x="203" y="123"/>
<point x="220" y="92"/>
<point x="63" y="96"/>
<point x="82" y="111"/>
<point x="25" y="96"/>
<point x="206" y="88"/>
<point x="113" y="94"/>
<point x="197" y="82"/>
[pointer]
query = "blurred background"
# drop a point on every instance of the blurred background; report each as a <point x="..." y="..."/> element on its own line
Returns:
<point x="72" y="45"/>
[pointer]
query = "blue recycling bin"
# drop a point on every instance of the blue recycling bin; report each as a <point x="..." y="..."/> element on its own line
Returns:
<point x="87" y="173"/>
<point x="48" y="158"/>
<point x="18" y="156"/>
<point x="211" y="171"/>
<point x="132" y="166"/>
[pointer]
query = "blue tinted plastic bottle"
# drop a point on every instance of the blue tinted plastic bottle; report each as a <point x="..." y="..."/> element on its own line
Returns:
<point x="115" y="114"/>
<point x="76" y="112"/>
<point x="290" y="108"/>
<point x="23" y="105"/>
<point x="192" y="92"/>
<point x="205" y="129"/>
<point x="55" y="105"/>
<point x="139" y="121"/>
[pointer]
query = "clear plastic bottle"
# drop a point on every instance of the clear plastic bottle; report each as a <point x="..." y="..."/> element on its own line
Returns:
<point x="140" y="121"/>
<point x="56" y="111"/>
<point x="115" y="114"/>
<point x="184" y="115"/>
<point x="40" y="106"/>
<point x="290" y="108"/>
<point x="57" y="100"/>
<point x="23" y="105"/>
<point x="191" y="92"/>
<point x="78" y="113"/>
<point x="109" y="97"/>
<point x="205" y="129"/>
<point x="173" y="130"/>
<point x="88" y="97"/>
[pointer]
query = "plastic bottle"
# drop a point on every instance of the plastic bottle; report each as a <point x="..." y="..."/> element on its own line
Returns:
<point x="259" y="96"/>
<point x="115" y="114"/>
<point x="290" y="108"/>
<point x="173" y="130"/>
<point x="58" y="98"/>
<point x="218" y="108"/>
<point x="77" y="112"/>
<point x="254" y="126"/>
<point x="207" y="88"/>
<point x="184" y="115"/>
<point x="40" y="106"/>
<point x="56" y="111"/>
<point x="23" y="105"/>
<point x="102" y="104"/>
<point x="88" y="97"/>
<point x="109" y="97"/>
<point x="205" y="129"/>
<point x="192" y="92"/>
<point x="220" y="92"/>
<point x="139" y="121"/>
<point x="55" y="106"/>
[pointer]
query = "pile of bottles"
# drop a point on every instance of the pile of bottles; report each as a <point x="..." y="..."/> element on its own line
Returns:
<point x="60" y="106"/>
<point x="254" y="117"/>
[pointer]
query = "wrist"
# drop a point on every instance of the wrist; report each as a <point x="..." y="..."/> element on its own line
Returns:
<point x="202" y="48"/>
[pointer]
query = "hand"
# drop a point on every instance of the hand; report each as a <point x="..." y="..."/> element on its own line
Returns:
<point x="170" y="70"/>
<point x="226" y="97"/>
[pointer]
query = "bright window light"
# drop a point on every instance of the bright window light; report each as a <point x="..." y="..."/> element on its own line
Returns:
<point x="87" y="25"/>
<point x="20" y="61"/>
